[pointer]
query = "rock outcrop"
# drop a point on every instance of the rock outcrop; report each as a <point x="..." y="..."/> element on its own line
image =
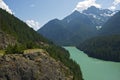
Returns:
<point x="32" y="66"/>
<point x="6" y="40"/>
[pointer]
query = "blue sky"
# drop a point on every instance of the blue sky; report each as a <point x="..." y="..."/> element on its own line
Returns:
<point x="39" y="12"/>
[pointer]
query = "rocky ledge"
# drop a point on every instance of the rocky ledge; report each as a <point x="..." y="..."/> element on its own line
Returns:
<point x="32" y="66"/>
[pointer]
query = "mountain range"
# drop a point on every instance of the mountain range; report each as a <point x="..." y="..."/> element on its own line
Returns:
<point x="98" y="16"/>
<point x="76" y="27"/>
<point x="94" y="31"/>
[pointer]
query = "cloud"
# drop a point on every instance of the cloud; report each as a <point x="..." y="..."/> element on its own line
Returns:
<point x="112" y="7"/>
<point x="33" y="24"/>
<point x="114" y="4"/>
<point x="85" y="4"/>
<point x="5" y="6"/>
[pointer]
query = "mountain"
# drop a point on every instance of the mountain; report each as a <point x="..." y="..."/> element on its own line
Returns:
<point x="76" y="27"/>
<point x="56" y="31"/>
<point x="106" y="45"/>
<point x="14" y="31"/>
<point x="112" y="26"/>
<point x="72" y="30"/>
<point x="98" y="16"/>
<point x="81" y="27"/>
<point x="26" y="55"/>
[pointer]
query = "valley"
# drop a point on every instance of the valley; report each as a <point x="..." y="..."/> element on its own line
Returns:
<point x="94" y="31"/>
<point x="53" y="40"/>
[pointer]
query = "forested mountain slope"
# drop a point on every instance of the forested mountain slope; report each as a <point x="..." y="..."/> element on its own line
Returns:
<point x="76" y="27"/>
<point x="72" y="30"/>
<point x="17" y="37"/>
<point x="106" y="45"/>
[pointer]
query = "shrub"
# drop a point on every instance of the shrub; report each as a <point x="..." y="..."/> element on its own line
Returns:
<point x="14" y="49"/>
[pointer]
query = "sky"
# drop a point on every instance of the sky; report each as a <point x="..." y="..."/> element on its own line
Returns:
<point x="36" y="13"/>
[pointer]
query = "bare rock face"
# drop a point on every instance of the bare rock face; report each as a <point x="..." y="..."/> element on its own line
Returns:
<point x="6" y="39"/>
<point x="32" y="66"/>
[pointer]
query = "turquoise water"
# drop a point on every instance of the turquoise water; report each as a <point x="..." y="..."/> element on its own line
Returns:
<point x="94" y="69"/>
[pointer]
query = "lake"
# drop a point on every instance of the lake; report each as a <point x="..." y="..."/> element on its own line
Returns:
<point x="95" y="69"/>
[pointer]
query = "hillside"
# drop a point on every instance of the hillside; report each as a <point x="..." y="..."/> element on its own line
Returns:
<point x="72" y="30"/>
<point x="56" y="32"/>
<point x="112" y="26"/>
<point x="11" y="26"/>
<point x="32" y="66"/>
<point x="98" y="16"/>
<point x="106" y="45"/>
<point x="81" y="27"/>
<point x="15" y="38"/>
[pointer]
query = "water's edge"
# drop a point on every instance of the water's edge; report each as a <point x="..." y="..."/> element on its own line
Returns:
<point x="94" y="69"/>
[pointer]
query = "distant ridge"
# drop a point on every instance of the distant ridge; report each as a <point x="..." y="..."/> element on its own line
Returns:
<point x="76" y="27"/>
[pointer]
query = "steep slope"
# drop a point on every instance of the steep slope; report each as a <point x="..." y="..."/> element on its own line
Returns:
<point x="80" y="26"/>
<point x="112" y="26"/>
<point x="56" y="32"/>
<point x="6" y="39"/>
<point x="13" y="27"/>
<point x="15" y="38"/>
<point x="98" y="16"/>
<point x="76" y="27"/>
<point x="107" y="45"/>
<point x="103" y="47"/>
<point x="32" y="66"/>
<point x="72" y="30"/>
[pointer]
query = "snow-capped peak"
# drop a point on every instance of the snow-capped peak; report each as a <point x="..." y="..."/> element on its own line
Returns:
<point x="97" y="15"/>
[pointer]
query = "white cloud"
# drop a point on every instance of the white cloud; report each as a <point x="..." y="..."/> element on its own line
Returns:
<point x="112" y="8"/>
<point x="85" y="4"/>
<point x="5" y="6"/>
<point x="114" y="4"/>
<point x="33" y="24"/>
